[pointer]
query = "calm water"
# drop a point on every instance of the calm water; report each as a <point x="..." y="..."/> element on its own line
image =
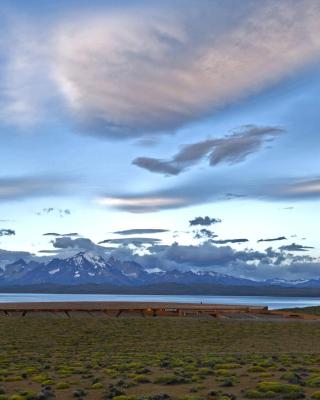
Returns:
<point x="272" y="301"/>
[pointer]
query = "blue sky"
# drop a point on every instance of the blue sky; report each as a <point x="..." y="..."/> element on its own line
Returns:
<point x="136" y="115"/>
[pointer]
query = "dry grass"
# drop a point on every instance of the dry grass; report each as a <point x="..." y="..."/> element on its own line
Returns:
<point x="93" y="358"/>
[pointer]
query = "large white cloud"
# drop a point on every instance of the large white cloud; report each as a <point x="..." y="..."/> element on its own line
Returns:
<point x="158" y="68"/>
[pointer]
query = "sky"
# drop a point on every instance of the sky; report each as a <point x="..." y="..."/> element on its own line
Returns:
<point x="123" y="122"/>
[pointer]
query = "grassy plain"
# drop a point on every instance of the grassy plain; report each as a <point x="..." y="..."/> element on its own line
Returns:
<point x="158" y="359"/>
<point x="313" y="310"/>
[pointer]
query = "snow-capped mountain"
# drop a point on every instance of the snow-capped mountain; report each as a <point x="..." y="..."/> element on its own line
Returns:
<point x="84" y="267"/>
<point x="87" y="267"/>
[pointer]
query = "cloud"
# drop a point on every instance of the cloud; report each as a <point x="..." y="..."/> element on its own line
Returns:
<point x="158" y="166"/>
<point x="231" y="149"/>
<point x="272" y="239"/>
<point x="51" y="210"/>
<point x="295" y="247"/>
<point x="7" y="232"/>
<point x="237" y="147"/>
<point x="60" y="234"/>
<point x="141" y="203"/>
<point x="55" y="252"/>
<point x="140" y="231"/>
<point x="204" y="233"/>
<point x="232" y="196"/>
<point x="85" y="244"/>
<point x="247" y="263"/>
<point x="7" y="256"/>
<point x="225" y="241"/>
<point x="302" y="189"/>
<point x="203" y="255"/>
<point x="67" y="246"/>
<point x="26" y="86"/>
<point x="204" y="221"/>
<point x="18" y="188"/>
<point x="136" y="241"/>
<point x="200" y="191"/>
<point x="155" y="69"/>
<point x="206" y="256"/>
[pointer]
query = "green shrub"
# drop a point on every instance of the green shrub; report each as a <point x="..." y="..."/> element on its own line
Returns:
<point x="39" y="378"/>
<point x="256" y="368"/>
<point x="28" y="395"/>
<point x="204" y="371"/>
<point x="196" y="388"/>
<point x="97" y="385"/>
<point x="48" y="382"/>
<point x="256" y="394"/>
<point x="223" y="372"/>
<point x="13" y="378"/>
<point x="228" y="382"/>
<point x="62" y="385"/>
<point x="266" y="375"/>
<point x="252" y="394"/>
<point x="141" y="379"/>
<point x="171" y="380"/>
<point x="291" y="377"/>
<point x="315" y="395"/>
<point x="314" y="381"/>
<point x="278" y="387"/>
<point x="229" y="366"/>
<point x="269" y="394"/>
<point x="31" y="370"/>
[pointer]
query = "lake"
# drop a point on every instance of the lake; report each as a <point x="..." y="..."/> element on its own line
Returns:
<point x="273" y="302"/>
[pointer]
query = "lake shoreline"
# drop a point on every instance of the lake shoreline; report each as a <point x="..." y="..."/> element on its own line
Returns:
<point x="164" y="289"/>
<point x="273" y="302"/>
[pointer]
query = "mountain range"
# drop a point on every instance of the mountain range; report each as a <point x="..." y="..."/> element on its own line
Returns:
<point x="85" y="268"/>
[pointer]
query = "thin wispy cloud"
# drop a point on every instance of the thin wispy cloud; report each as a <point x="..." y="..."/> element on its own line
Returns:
<point x="199" y="191"/>
<point x="140" y="231"/>
<point x="72" y="234"/>
<point x="23" y="187"/>
<point x="136" y="241"/>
